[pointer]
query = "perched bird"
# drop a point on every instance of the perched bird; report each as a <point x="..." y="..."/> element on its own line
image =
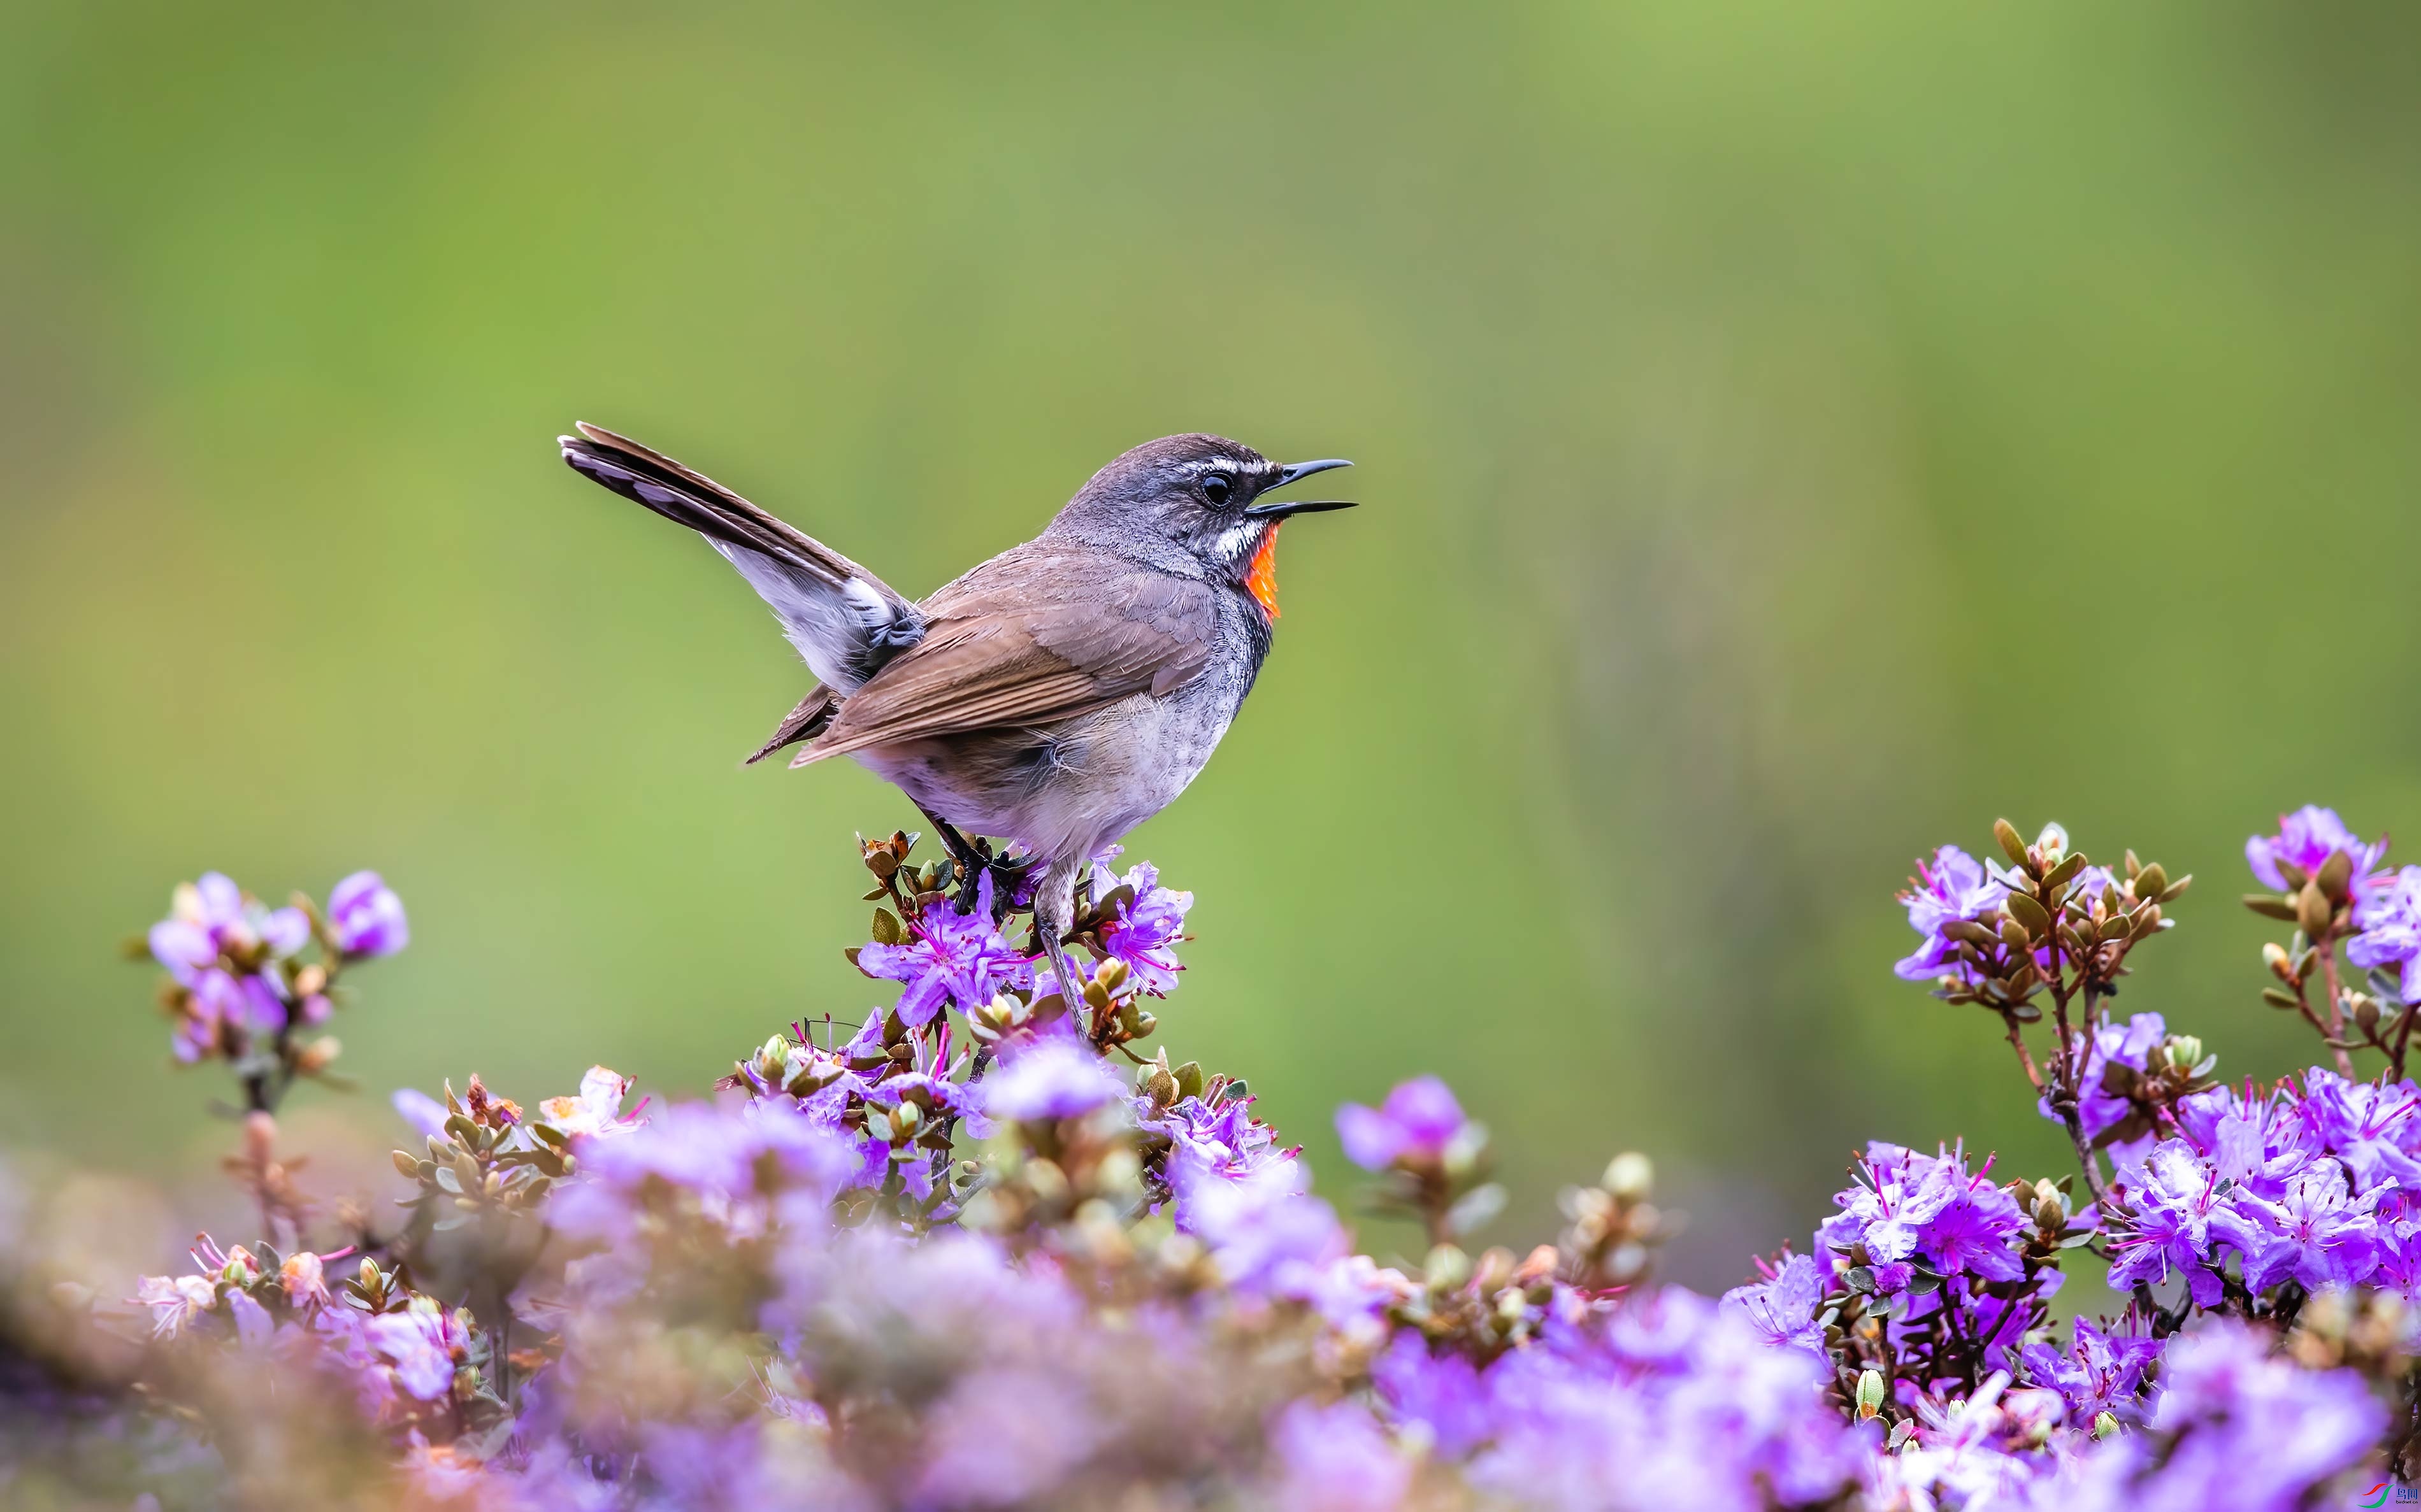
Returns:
<point x="1055" y="696"/>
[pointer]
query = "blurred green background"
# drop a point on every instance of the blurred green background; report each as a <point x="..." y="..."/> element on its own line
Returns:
<point x="1792" y="436"/>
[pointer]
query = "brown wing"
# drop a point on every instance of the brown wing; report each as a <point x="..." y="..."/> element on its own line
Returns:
<point x="1037" y="634"/>
<point x="805" y="723"/>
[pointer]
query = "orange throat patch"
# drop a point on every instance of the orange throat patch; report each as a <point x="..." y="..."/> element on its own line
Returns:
<point x="1261" y="578"/>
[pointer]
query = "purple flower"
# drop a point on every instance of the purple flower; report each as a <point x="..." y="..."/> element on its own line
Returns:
<point x="2319" y="1233"/>
<point x="175" y="1301"/>
<point x="2305" y="840"/>
<point x="1336" y="1459"/>
<point x="425" y="1114"/>
<point x="2388" y="914"/>
<point x="2250" y="1431"/>
<point x="1666" y="1402"/>
<point x="2101" y="1373"/>
<point x="730" y="1159"/>
<point x="950" y="957"/>
<point x="1143" y="930"/>
<point x="1222" y="1140"/>
<point x="366" y="917"/>
<point x="2372" y="1129"/>
<point x="2130" y="1044"/>
<point x="1059" y="1078"/>
<point x="1782" y="1307"/>
<point x="1416" y="1123"/>
<point x="1443" y="1391"/>
<point x="1268" y="1237"/>
<point x="1908" y="1206"/>
<point x="1003" y="1437"/>
<point x="1950" y="887"/>
<point x="2170" y="1211"/>
<point x="420" y="1343"/>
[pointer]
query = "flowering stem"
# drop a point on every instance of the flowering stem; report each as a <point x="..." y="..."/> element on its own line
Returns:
<point x="2025" y="1059"/>
<point x="2327" y="945"/>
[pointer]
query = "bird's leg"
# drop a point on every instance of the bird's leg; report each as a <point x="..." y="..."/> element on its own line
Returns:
<point x="969" y="862"/>
<point x="1054" y="905"/>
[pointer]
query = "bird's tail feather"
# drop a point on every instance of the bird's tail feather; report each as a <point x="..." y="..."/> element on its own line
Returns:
<point x="650" y="477"/>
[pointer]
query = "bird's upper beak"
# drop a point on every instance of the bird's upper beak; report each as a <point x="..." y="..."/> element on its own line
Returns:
<point x="1295" y="472"/>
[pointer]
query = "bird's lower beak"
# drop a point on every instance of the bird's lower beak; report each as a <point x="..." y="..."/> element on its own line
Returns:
<point x="1296" y="472"/>
<point x="1280" y="508"/>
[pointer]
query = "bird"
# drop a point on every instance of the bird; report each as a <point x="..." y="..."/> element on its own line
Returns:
<point x="1052" y="697"/>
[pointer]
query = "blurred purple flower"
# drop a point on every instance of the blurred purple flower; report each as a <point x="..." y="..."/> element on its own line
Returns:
<point x="1005" y="1436"/>
<point x="2388" y="914"/>
<point x="2253" y="1433"/>
<point x="1058" y="1078"/>
<point x="1443" y="1391"/>
<point x="1782" y="1307"/>
<point x="1336" y="1458"/>
<point x="1143" y="931"/>
<point x="419" y="1342"/>
<point x="2305" y="840"/>
<point x="954" y="957"/>
<point x="1950" y="887"/>
<point x="366" y="917"/>
<point x="1416" y="1123"/>
<point x="425" y="1114"/>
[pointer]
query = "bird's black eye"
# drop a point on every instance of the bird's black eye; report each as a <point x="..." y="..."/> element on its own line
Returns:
<point x="1216" y="487"/>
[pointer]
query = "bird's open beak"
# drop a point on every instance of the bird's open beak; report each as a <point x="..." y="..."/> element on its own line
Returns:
<point x="1295" y="472"/>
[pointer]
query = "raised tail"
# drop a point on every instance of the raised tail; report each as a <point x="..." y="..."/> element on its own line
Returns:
<point x="844" y="620"/>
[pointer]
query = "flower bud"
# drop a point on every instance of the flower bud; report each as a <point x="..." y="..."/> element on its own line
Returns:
<point x="1446" y="1267"/>
<point x="2365" y="1011"/>
<point x="2282" y="966"/>
<point x="2184" y="1051"/>
<point x="2105" y="1423"/>
<point x="1630" y="1177"/>
<point x="318" y="1055"/>
<point x="2313" y="909"/>
<point x="1871" y="1394"/>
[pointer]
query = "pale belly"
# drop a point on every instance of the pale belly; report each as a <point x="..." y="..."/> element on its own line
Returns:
<point x="1068" y="791"/>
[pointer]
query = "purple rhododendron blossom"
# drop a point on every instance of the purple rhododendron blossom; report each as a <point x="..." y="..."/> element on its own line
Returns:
<point x="2305" y="840"/>
<point x="1950" y="887"/>
<point x="2101" y="1372"/>
<point x="1336" y="1459"/>
<point x="1909" y="1206"/>
<point x="957" y="959"/>
<point x="1059" y="1078"/>
<point x="2388" y="916"/>
<point x="366" y="917"/>
<point x="1416" y="1123"/>
<point x="2128" y="1044"/>
<point x="1143" y="932"/>
<point x="2172" y="1212"/>
<point x="419" y="1343"/>
<point x="1783" y="1306"/>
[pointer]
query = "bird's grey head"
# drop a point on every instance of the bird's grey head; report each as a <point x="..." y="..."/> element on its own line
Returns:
<point x="1204" y="495"/>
